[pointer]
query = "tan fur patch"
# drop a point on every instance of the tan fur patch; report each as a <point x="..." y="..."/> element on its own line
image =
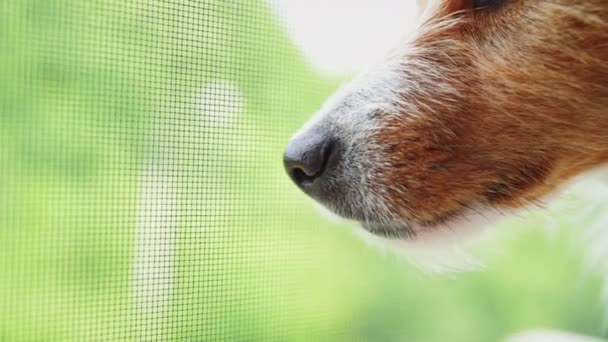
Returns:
<point x="503" y="106"/>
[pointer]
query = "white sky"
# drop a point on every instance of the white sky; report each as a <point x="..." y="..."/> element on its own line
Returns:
<point x="341" y="36"/>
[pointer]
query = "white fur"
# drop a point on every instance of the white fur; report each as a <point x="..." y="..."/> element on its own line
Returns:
<point x="444" y="249"/>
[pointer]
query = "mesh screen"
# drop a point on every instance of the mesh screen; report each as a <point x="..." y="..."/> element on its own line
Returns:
<point x="141" y="162"/>
<point x="142" y="194"/>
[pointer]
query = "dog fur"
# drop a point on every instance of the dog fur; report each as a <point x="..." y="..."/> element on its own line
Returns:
<point x="483" y="112"/>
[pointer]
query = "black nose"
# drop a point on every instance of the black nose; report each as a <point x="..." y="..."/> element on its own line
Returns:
<point x="307" y="159"/>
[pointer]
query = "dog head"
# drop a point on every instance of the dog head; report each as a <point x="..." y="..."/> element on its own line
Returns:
<point x="489" y="107"/>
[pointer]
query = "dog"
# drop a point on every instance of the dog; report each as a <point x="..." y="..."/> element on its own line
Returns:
<point x="489" y="108"/>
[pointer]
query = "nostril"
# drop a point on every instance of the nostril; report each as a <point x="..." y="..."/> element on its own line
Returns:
<point x="302" y="178"/>
<point x="305" y="162"/>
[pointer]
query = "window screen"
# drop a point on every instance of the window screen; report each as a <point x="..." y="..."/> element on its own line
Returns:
<point x="142" y="194"/>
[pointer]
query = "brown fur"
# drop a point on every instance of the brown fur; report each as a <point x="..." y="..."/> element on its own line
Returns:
<point x="505" y="105"/>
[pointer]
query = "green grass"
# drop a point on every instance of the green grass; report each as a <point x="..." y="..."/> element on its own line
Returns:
<point x="106" y="105"/>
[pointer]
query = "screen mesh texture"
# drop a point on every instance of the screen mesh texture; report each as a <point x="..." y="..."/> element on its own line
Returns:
<point x="140" y="168"/>
<point x="143" y="197"/>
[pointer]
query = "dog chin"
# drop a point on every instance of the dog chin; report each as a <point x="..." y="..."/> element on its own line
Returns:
<point x="437" y="249"/>
<point x="434" y="249"/>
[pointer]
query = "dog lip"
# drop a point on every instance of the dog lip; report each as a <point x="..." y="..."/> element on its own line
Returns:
<point x="390" y="233"/>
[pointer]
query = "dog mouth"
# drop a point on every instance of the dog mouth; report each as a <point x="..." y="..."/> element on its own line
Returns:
<point x="376" y="221"/>
<point x="390" y="232"/>
<point x="389" y="224"/>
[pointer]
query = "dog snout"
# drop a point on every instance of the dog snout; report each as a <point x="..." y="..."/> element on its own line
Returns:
<point x="308" y="159"/>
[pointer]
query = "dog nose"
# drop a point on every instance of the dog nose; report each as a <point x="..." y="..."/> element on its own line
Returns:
<point x="306" y="159"/>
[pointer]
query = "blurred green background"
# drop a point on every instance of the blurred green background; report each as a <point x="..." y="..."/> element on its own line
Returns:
<point x="142" y="197"/>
